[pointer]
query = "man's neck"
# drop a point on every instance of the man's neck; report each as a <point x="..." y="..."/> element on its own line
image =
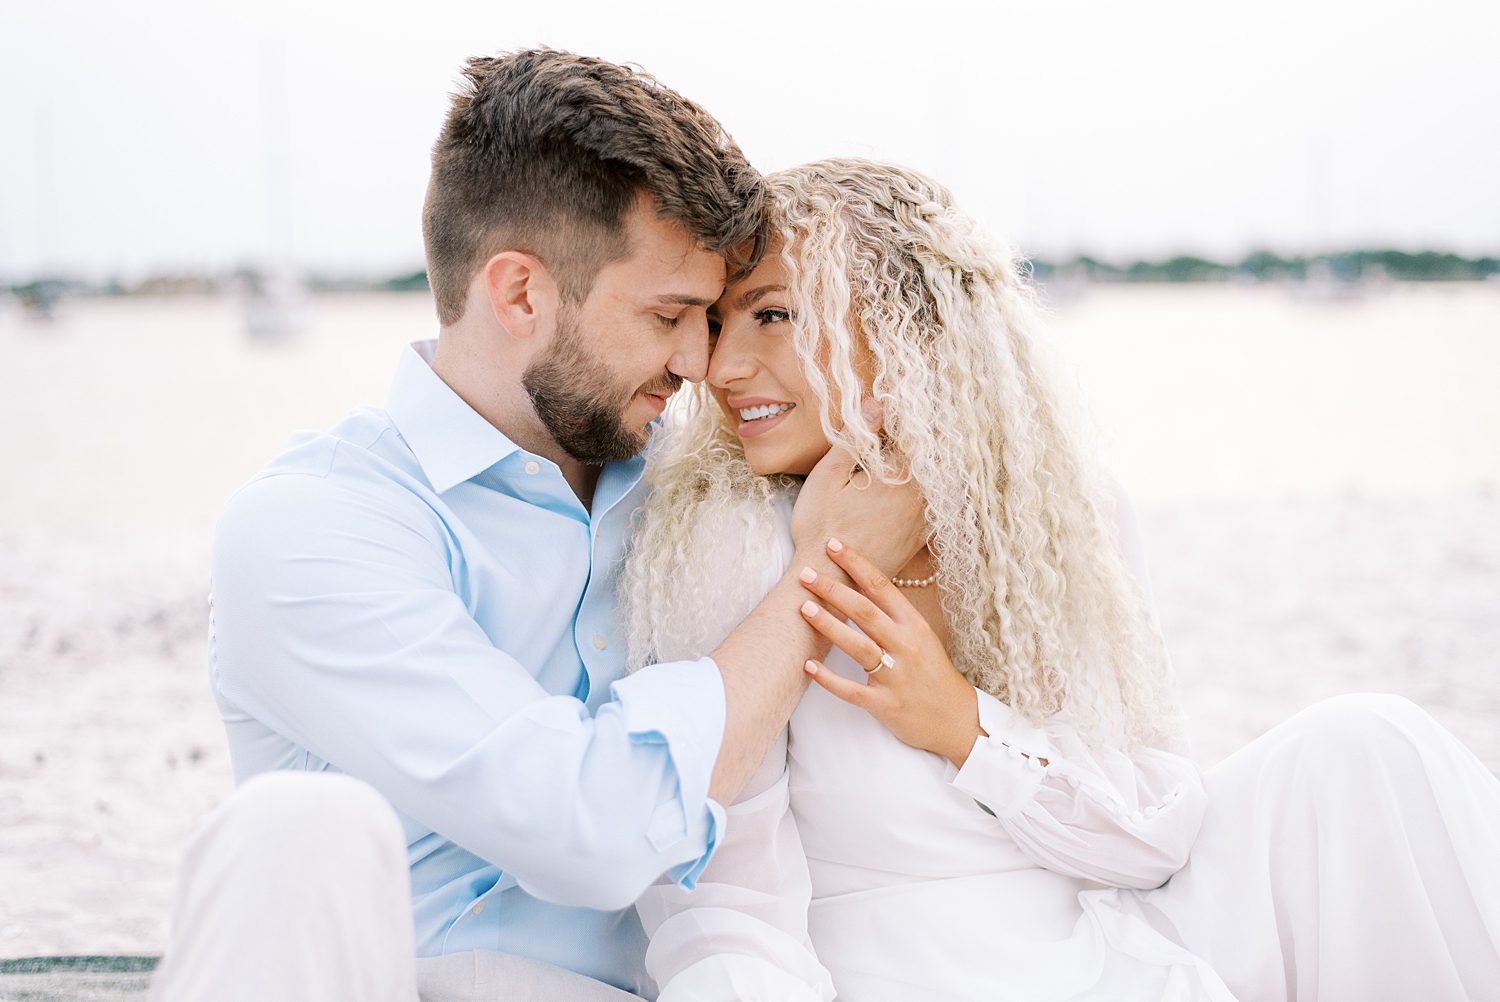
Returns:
<point x="528" y="433"/>
<point x="507" y="407"/>
<point x="583" y="479"/>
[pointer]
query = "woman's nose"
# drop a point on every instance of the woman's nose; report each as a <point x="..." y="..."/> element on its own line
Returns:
<point x="728" y="361"/>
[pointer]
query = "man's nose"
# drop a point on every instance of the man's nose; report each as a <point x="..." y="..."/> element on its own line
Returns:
<point x="690" y="360"/>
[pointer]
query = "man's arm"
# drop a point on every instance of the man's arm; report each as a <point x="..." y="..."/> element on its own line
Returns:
<point x="337" y="625"/>
<point x="761" y="664"/>
<point x="761" y="661"/>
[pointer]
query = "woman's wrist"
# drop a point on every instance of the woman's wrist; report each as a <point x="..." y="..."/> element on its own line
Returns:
<point x="963" y="744"/>
<point x="966" y="730"/>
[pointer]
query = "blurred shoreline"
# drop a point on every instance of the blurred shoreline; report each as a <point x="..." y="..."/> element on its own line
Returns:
<point x="1343" y="273"/>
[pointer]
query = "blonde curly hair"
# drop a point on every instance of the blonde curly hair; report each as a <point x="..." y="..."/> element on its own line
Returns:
<point x="1042" y="611"/>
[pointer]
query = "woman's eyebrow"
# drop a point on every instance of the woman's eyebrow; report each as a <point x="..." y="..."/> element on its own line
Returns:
<point x="751" y="295"/>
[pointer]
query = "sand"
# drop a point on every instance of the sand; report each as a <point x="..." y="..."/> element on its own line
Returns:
<point x="1319" y="485"/>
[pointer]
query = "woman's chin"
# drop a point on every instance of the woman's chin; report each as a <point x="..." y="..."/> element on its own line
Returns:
<point x="768" y="465"/>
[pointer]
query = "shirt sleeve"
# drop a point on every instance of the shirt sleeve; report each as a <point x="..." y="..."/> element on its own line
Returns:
<point x="741" y="935"/>
<point x="1127" y="820"/>
<point x="338" y="625"/>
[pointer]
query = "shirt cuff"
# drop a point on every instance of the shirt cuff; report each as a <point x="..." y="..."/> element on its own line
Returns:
<point x="1004" y="769"/>
<point x="679" y="704"/>
<point x="685" y="875"/>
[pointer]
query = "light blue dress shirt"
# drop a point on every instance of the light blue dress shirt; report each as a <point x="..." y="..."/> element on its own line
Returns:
<point x="414" y="600"/>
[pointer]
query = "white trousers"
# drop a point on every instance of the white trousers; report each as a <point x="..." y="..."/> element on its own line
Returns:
<point x="1350" y="853"/>
<point x="297" y="890"/>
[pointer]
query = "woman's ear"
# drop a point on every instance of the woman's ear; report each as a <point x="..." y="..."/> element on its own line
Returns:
<point x="521" y="293"/>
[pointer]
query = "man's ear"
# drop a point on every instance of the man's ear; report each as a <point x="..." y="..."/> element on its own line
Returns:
<point x="521" y="292"/>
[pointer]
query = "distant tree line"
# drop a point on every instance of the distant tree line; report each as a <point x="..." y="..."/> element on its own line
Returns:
<point x="1258" y="266"/>
<point x="415" y="282"/>
<point x="1268" y="266"/>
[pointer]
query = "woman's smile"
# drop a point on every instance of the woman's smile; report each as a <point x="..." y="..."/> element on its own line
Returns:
<point x="758" y="416"/>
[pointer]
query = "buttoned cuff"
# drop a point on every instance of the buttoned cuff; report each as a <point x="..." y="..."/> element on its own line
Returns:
<point x="1004" y="769"/>
<point x="679" y="704"/>
<point x="685" y="875"/>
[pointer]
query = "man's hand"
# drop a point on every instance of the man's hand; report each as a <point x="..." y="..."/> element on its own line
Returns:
<point x="885" y="522"/>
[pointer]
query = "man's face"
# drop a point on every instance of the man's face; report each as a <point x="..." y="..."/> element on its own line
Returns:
<point x="614" y="359"/>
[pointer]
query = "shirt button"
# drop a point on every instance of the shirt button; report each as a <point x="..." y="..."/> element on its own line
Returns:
<point x="599" y="642"/>
<point x="478" y="908"/>
<point x="533" y="467"/>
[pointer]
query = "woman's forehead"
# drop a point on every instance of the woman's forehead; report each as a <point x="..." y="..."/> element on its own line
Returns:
<point x="769" y="276"/>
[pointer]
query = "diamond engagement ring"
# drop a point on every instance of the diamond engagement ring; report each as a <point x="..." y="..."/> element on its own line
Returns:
<point x="886" y="661"/>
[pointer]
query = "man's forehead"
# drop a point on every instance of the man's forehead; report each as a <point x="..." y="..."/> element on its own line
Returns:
<point x="694" y="279"/>
<point x="687" y="259"/>
<point x="664" y="265"/>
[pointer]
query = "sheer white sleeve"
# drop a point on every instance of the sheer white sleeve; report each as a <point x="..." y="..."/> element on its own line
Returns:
<point x="1090" y="812"/>
<point x="742" y="933"/>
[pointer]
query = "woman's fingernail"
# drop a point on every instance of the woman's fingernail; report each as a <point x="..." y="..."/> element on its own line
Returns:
<point x="809" y="609"/>
<point x="808" y="574"/>
<point x="811" y="667"/>
<point x="834" y="546"/>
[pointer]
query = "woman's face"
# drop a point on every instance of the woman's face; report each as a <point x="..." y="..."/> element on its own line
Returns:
<point x="757" y="378"/>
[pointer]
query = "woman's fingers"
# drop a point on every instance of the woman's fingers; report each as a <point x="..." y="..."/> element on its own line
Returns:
<point x="865" y="652"/>
<point x="841" y="598"/>
<point x="850" y="692"/>
<point x="872" y="581"/>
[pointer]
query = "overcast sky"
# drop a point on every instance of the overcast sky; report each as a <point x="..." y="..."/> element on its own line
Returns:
<point x="165" y="134"/>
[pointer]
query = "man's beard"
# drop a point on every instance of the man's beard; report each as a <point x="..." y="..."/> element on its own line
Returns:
<point x="580" y="404"/>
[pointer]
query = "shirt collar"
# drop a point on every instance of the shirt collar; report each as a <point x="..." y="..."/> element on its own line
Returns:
<point x="449" y="438"/>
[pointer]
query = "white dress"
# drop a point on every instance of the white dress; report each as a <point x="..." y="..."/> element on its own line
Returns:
<point x="1352" y="853"/>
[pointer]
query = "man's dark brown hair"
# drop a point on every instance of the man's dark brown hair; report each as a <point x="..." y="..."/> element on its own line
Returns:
<point x="546" y="152"/>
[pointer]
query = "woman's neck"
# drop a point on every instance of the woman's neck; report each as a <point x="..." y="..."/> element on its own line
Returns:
<point x="928" y="600"/>
<point x="919" y="568"/>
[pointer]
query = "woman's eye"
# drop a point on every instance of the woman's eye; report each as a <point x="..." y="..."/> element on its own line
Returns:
<point x="771" y="315"/>
<point x="668" y="322"/>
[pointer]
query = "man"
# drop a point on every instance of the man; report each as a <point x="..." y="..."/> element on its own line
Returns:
<point x="422" y="599"/>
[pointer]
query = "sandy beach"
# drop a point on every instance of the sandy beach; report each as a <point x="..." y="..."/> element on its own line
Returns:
<point x="1319" y="484"/>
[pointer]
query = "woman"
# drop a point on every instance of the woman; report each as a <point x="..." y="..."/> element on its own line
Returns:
<point x="984" y="793"/>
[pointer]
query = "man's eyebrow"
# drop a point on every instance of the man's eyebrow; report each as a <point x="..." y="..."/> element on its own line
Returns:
<point x="681" y="299"/>
<point x="751" y="295"/>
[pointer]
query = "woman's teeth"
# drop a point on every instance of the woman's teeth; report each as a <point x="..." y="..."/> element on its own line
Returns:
<point x="763" y="411"/>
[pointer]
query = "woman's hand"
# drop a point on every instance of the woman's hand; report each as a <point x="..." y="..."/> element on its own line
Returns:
<point x="920" y="697"/>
